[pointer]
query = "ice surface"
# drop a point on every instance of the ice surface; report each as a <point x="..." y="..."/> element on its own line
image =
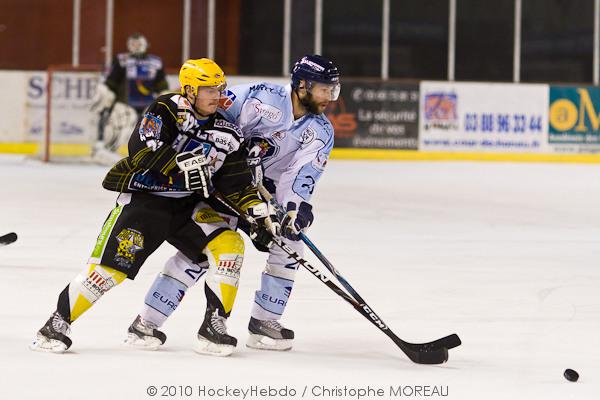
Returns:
<point x="506" y="255"/>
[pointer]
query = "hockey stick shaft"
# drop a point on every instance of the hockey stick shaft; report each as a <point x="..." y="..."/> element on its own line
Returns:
<point x="426" y="353"/>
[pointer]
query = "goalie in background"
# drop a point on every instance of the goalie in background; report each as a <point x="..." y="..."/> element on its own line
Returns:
<point x="134" y="80"/>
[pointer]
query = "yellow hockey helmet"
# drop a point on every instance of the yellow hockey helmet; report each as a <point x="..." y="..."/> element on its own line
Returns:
<point x="201" y="72"/>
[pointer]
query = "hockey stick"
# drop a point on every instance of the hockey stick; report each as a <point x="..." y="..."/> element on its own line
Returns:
<point x="8" y="239"/>
<point x="421" y="353"/>
<point x="448" y="342"/>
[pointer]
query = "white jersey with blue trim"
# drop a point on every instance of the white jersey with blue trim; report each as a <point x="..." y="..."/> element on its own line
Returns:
<point x="294" y="152"/>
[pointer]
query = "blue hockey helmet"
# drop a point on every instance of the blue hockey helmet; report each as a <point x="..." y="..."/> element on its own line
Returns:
<point x="316" y="68"/>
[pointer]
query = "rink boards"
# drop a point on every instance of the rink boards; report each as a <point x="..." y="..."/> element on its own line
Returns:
<point x="373" y="119"/>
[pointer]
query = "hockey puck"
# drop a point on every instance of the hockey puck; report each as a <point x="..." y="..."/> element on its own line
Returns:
<point x="8" y="238"/>
<point x="571" y="375"/>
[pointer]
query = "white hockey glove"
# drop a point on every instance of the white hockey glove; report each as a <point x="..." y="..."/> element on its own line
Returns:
<point x="266" y="225"/>
<point x="296" y="221"/>
<point x="194" y="166"/>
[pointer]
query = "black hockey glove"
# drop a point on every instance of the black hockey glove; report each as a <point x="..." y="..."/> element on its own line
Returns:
<point x="296" y="221"/>
<point x="194" y="166"/>
<point x="266" y="225"/>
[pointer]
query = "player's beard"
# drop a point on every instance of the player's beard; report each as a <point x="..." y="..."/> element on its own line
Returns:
<point x="311" y="105"/>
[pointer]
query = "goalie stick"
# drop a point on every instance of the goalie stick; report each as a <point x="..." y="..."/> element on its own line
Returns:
<point x="435" y="352"/>
<point x="8" y="239"/>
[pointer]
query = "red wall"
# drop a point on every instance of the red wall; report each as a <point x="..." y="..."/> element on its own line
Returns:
<point x="35" y="33"/>
<point x="38" y="33"/>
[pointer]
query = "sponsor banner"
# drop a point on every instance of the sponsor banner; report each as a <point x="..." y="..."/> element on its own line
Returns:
<point x="574" y="119"/>
<point x="376" y="115"/>
<point x="483" y="117"/>
<point x="71" y="118"/>
<point x="14" y="105"/>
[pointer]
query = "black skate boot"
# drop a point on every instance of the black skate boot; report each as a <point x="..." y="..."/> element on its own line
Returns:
<point x="144" y="335"/>
<point x="212" y="336"/>
<point x="53" y="337"/>
<point x="269" y="335"/>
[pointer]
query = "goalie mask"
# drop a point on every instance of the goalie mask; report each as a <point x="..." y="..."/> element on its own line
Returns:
<point x="137" y="44"/>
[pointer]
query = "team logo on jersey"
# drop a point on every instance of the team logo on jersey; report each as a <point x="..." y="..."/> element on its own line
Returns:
<point x="308" y="135"/>
<point x="279" y="135"/>
<point x="150" y="127"/>
<point x="227" y="99"/>
<point x="267" y="147"/>
<point x="130" y="242"/>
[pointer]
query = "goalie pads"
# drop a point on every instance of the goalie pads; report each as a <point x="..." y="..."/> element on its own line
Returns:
<point x="103" y="99"/>
<point x="119" y="125"/>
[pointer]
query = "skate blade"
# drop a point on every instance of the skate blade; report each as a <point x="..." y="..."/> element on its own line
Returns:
<point x="147" y="343"/>
<point x="48" y="346"/>
<point x="203" y="346"/>
<point x="261" y="342"/>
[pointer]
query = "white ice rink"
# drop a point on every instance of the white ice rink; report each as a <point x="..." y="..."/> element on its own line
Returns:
<point x="506" y="255"/>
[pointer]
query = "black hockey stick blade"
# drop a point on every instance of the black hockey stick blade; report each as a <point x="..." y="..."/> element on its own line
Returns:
<point x="449" y="342"/>
<point x="8" y="239"/>
<point x="435" y="352"/>
<point x="422" y="356"/>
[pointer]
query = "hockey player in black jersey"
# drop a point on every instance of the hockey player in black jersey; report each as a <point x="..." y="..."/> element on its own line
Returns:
<point x="180" y="151"/>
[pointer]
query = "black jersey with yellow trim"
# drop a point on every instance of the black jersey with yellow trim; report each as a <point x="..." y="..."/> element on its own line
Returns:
<point x="167" y="128"/>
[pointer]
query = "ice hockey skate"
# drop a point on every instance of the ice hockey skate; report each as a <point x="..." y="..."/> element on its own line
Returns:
<point x="212" y="336"/>
<point x="269" y="335"/>
<point x="144" y="335"/>
<point x="52" y="338"/>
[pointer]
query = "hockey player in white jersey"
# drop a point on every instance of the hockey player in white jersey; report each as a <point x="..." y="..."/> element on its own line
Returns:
<point x="291" y="140"/>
